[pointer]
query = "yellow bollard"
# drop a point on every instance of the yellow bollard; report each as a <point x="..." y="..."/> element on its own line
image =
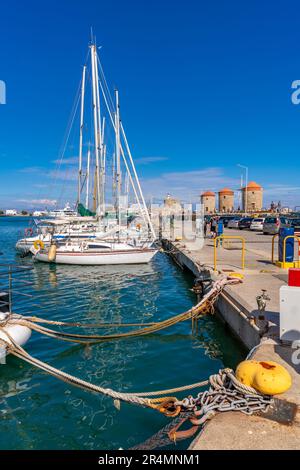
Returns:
<point x="267" y="377"/>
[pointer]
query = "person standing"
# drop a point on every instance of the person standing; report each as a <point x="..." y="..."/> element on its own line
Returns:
<point x="213" y="227"/>
<point x="220" y="231"/>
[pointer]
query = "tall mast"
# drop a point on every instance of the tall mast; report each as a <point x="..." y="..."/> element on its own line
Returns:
<point x="103" y="164"/>
<point x="96" y="130"/>
<point x="100" y="137"/>
<point x="114" y="176"/>
<point x="95" y="192"/>
<point x="81" y="132"/>
<point x="118" y="156"/>
<point x="88" y="178"/>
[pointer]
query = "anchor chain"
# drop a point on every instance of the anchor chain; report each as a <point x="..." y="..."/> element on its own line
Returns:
<point x="226" y="393"/>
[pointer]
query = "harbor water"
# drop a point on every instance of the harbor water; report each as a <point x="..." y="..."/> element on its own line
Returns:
<point x="38" y="411"/>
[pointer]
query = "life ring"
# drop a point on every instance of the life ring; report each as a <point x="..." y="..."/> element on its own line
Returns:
<point x="28" y="231"/>
<point x="38" y="244"/>
<point x="138" y="226"/>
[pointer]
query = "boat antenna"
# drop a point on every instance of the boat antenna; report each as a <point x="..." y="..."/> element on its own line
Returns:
<point x="93" y="40"/>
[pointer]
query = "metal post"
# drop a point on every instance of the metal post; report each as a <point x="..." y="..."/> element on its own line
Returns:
<point x="273" y="240"/>
<point x="9" y="289"/>
<point x="228" y="237"/>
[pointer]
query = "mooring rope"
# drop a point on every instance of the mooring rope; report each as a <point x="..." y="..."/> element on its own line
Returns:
<point x="204" y="306"/>
<point x="170" y="406"/>
<point x="225" y="393"/>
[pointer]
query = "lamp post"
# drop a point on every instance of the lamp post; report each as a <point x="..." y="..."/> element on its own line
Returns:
<point x="246" y="187"/>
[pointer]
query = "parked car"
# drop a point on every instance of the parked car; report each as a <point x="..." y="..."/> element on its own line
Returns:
<point x="245" y="223"/>
<point x="257" y="224"/>
<point x="272" y="224"/>
<point x="234" y="223"/>
<point x="225" y="219"/>
<point x="295" y="223"/>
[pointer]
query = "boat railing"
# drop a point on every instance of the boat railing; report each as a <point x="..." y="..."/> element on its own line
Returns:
<point x="13" y="283"/>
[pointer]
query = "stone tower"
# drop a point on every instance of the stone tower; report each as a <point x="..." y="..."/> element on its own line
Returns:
<point x="226" y="200"/>
<point x="208" y="199"/>
<point x="252" y="197"/>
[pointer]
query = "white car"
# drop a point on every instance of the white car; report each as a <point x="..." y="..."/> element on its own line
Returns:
<point x="257" y="224"/>
<point x="234" y="223"/>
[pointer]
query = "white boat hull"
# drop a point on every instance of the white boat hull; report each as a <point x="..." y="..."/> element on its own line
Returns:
<point x="100" y="258"/>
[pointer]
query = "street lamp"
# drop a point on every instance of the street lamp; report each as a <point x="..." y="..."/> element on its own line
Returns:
<point x="246" y="187"/>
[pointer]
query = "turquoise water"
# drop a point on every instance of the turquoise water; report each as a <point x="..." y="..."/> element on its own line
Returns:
<point x="38" y="411"/>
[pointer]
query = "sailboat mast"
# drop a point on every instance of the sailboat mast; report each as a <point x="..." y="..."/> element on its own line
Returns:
<point x="103" y="159"/>
<point x="81" y="132"/>
<point x="100" y="137"/>
<point x="88" y="178"/>
<point x="96" y="129"/>
<point x="118" y="156"/>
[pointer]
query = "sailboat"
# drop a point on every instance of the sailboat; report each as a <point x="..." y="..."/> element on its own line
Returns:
<point x="124" y="240"/>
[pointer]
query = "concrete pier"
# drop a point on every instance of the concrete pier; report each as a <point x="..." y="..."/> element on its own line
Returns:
<point x="237" y="307"/>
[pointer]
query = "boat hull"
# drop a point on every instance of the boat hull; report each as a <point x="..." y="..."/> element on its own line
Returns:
<point x="100" y="258"/>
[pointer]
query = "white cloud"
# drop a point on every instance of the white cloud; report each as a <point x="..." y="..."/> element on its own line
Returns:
<point x="149" y="160"/>
<point x="289" y="195"/>
<point x="32" y="169"/>
<point x="188" y="185"/>
<point x="40" y="202"/>
<point x="66" y="161"/>
<point x="69" y="174"/>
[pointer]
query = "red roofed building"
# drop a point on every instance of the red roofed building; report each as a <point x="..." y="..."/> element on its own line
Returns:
<point x="208" y="199"/>
<point x="252" y="197"/>
<point x="226" y="200"/>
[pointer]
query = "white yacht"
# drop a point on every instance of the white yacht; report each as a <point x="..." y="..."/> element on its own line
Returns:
<point x="65" y="212"/>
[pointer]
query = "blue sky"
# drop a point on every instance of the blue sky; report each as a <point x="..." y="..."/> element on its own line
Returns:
<point x="203" y="85"/>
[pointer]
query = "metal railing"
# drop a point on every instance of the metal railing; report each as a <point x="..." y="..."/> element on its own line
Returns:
<point x="12" y="283"/>
<point x="229" y="237"/>
<point x="273" y="240"/>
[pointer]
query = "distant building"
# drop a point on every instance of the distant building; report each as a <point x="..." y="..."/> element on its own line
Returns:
<point x="10" y="212"/>
<point x="252" y="196"/>
<point x="226" y="200"/>
<point x="208" y="200"/>
<point x="173" y="204"/>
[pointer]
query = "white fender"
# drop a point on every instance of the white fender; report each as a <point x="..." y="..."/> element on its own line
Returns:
<point x="19" y="333"/>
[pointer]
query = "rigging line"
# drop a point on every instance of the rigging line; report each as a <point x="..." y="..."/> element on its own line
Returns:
<point x="69" y="128"/>
<point x="106" y="85"/>
<point x="146" y="217"/>
<point x="67" y="132"/>
<point x="124" y="158"/>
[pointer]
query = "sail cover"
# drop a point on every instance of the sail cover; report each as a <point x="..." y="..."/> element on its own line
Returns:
<point x="84" y="212"/>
